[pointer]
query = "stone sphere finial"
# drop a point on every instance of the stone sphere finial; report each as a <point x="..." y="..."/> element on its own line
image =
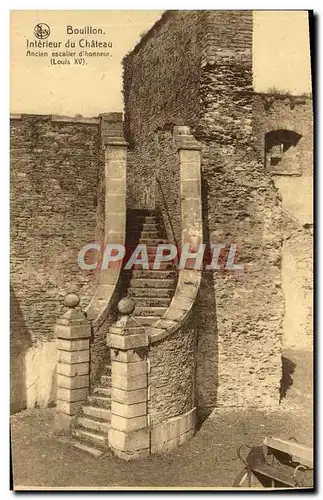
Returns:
<point x="71" y="300"/>
<point x="126" y="306"/>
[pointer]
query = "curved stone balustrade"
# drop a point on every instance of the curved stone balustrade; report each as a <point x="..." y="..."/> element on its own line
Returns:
<point x="153" y="392"/>
<point x="115" y="213"/>
<point x="192" y="234"/>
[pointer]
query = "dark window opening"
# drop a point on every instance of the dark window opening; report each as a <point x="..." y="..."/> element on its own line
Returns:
<point x="277" y="143"/>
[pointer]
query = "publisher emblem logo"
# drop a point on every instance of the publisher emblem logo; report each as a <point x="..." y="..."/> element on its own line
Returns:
<point x="42" y="31"/>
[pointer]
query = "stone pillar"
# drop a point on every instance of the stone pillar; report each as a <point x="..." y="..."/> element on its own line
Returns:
<point x="129" y="436"/>
<point x="72" y="331"/>
<point x="190" y="178"/>
<point x="115" y="176"/>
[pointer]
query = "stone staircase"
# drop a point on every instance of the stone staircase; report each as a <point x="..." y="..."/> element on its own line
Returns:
<point x="152" y="291"/>
<point x="90" y="431"/>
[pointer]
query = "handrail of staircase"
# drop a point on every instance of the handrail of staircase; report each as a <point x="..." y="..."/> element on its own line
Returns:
<point x="167" y="211"/>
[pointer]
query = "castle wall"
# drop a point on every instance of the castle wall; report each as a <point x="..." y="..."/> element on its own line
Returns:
<point x="54" y="212"/>
<point x="293" y="178"/>
<point x="160" y="88"/>
<point x="206" y="82"/>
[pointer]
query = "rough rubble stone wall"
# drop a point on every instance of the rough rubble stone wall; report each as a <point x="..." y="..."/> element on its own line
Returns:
<point x="242" y="208"/>
<point x="208" y="86"/>
<point x="54" y="175"/>
<point x="293" y="113"/>
<point x="171" y="377"/>
<point x="160" y="87"/>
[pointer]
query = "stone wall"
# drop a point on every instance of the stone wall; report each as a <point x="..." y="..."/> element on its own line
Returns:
<point x="171" y="379"/>
<point x="160" y="88"/>
<point x="293" y="179"/>
<point x="54" y="212"/>
<point x="195" y="68"/>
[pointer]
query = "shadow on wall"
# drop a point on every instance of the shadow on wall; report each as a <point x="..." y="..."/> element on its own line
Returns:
<point x="20" y="342"/>
<point x="288" y="368"/>
<point x="207" y="342"/>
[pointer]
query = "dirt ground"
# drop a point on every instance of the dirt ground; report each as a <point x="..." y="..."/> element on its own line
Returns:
<point x="208" y="460"/>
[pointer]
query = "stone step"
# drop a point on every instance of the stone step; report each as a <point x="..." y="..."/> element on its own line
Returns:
<point x="151" y="302"/>
<point x="150" y="235"/>
<point x="162" y="266"/>
<point x="153" y="241"/>
<point x="139" y="212"/>
<point x="105" y="380"/>
<point x="139" y="226"/>
<point x="94" y="424"/>
<point x="149" y="311"/>
<point x="102" y="391"/>
<point x="98" y="400"/>
<point x="161" y="293"/>
<point x="92" y="437"/>
<point x="151" y="250"/>
<point x="146" y="320"/>
<point x="154" y="274"/>
<point x="95" y="452"/>
<point x="97" y="412"/>
<point x="149" y="218"/>
<point x="151" y="283"/>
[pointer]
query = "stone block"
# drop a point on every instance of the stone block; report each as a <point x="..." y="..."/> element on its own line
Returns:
<point x="109" y="276"/>
<point x="73" y="345"/>
<point x="191" y="156"/>
<point x="166" y="324"/>
<point x="72" y="394"/>
<point x="183" y="438"/>
<point x="187" y="422"/>
<point x="68" y="407"/>
<point x="186" y="290"/>
<point x="128" y="397"/>
<point x="114" y="203"/>
<point x="191" y="188"/>
<point x="73" y="356"/>
<point x="116" y="154"/>
<point x="127" y="356"/>
<point x="129" y="410"/>
<point x="63" y="421"/>
<point x="126" y="455"/>
<point x="128" y="369"/>
<point x="131" y="441"/>
<point x="71" y="370"/>
<point x="72" y="332"/>
<point x="174" y="314"/>
<point x="115" y="170"/>
<point x="116" y="185"/>
<point x="190" y="171"/>
<point x="116" y="237"/>
<point x="128" y="424"/>
<point x="117" y="221"/>
<point x="183" y="303"/>
<point x="129" y="383"/>
<point x="73" y="382"/>
<point x="191" y="207"/>
<point x="128" y="341"/>
<point x="166" y="447"/>
<point x="165" y="431"/>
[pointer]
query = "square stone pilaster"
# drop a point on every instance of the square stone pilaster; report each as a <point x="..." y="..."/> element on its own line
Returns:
<point x="72" y="331"/>
<point x="129" y="437"/>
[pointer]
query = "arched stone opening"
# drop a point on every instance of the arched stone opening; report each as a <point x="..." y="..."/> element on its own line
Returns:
<point x="281" y="153"/>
